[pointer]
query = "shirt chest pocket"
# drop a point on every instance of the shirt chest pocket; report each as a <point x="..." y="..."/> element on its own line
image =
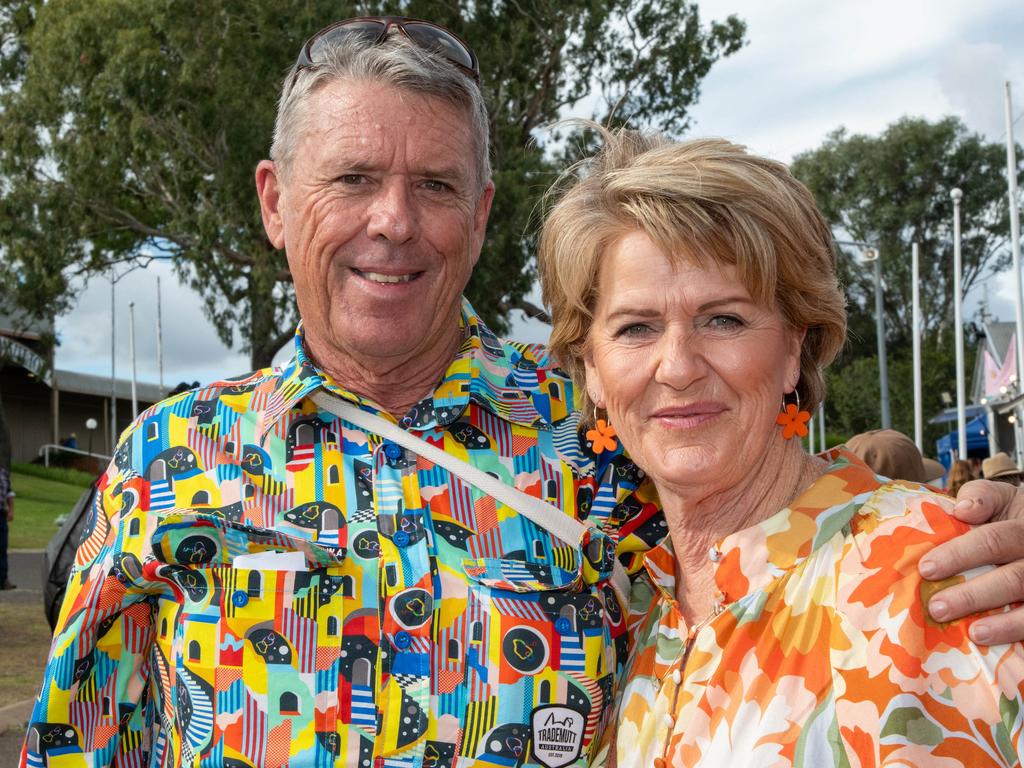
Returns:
<point x="539" y="638"/>
<point x="260" y="644"/>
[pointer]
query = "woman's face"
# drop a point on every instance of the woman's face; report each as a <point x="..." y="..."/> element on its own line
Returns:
<point x="690" y="369"/>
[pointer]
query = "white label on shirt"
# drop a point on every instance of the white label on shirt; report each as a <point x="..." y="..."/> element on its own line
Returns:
<point x="557" y="735"/>
<point x="271" y="561"/>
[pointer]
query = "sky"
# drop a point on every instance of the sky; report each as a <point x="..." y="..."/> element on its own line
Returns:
<point x="808" y="68"/>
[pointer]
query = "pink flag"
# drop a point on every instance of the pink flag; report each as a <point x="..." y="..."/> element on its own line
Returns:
<point x="997" y="376"/>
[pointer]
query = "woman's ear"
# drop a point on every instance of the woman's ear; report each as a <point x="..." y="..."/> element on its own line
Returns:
<point x="793" y="358"/>
<point x="595" y="388"/>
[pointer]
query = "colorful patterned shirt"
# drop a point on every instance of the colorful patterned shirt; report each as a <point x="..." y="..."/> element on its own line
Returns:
<point x="422" y="624"/>
<point x="822" y="654"/>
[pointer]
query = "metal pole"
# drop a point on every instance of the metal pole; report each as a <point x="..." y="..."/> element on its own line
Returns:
<point x="810" y="436"/>
<point x="1018" y="293"/>
<point x="883" y="367"/>
<point x="915" y="268"/>
<point x="159" y="337"/>
<point x="113" y="372"/>
<point x="958" y="330"/>
<point x="131" y="346"/>
<point x="821" y="424"/>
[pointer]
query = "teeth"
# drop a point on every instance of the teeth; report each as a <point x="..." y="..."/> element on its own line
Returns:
<point x="379" y="278"/>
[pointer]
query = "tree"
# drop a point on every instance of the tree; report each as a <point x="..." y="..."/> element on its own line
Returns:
<point x="893" y="190"/>
<point x="130" y="127"/>
<point x="890" y="191"/>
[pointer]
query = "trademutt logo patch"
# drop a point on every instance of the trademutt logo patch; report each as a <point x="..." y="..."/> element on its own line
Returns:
<point x="557" y="735"/>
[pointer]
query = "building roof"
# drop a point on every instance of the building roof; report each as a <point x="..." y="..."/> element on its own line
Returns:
<point x="22" y="328"/>
<point x="99" y="386"/>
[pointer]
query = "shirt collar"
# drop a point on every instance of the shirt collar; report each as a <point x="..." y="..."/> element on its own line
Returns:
<point x="750" y="559"/>
<point x="502" y="376"/>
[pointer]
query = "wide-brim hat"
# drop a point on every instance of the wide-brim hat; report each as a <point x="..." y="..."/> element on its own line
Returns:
<point x="892" y="454"/>
<point x="999" y="465"/>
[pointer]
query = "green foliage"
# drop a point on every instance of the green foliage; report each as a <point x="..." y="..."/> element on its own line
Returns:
<point x="56" y="474"/>
<point x="134" y="127"/>
<point x="893" y="190"/>
<point x="852" y="404"/>
<point x="38" y="505"/>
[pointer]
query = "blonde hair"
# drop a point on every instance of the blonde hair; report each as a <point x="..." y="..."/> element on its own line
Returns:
<point x="707" y="200"/>
<point x="959" y="474"/>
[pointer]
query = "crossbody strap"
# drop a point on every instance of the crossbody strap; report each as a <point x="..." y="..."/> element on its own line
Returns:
<point x="547" y="516"/>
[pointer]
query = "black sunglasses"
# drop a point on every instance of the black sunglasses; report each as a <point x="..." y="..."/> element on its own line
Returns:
<point x="374" y="30"/>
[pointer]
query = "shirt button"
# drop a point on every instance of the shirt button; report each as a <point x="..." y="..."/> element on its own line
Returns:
<point x="240" y="598"/>
<point x="403" y="640"/>
<point x="563" y="626"/>
<point x="676" y="676"/>
<point x="659" y="762"/>
<point x="392" y="451"/>
<point x="668" y="721"/>
<point x="401" y="539"/>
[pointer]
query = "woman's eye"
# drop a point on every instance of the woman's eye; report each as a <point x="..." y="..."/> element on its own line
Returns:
<point x="725" y="322"/>
<point x="634" y="329"/>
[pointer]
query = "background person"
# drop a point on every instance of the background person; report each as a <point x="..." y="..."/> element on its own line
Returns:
<point x="782" y="619"/>
<point x="959" y="474"/>
<point x="1001" y="469"/>
<point x="893" y="455"/>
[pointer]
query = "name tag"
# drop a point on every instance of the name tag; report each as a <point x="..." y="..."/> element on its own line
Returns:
<point x="271" y="561"/>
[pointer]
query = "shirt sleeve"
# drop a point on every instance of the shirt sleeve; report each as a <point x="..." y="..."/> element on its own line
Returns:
<point x="931" y="692"/>
<point x="92" y="708"/>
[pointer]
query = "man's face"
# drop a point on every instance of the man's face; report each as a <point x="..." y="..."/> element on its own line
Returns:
<point x="382" y="219"/>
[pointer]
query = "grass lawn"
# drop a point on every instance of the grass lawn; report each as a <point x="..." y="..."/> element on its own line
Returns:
<point x="26" y="644"/>
<point x="42" y="497"/>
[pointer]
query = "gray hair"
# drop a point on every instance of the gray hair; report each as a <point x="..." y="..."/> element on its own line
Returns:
<point x="397" y="62"/>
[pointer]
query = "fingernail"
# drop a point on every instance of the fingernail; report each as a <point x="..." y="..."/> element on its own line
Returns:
<point x="927" y="569"/>
<point x="980" y="633"/>
<point x="938" y="609"/>
<point x="963" y="505"/>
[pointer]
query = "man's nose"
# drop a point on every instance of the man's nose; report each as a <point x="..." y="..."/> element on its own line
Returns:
<point x="392" y="213"/>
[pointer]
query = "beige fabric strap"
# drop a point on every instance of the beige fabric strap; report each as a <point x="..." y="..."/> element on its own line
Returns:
<point x="547" y="516"/>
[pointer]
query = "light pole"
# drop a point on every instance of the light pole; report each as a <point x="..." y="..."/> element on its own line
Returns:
<point x="1018" y="291"/>
<point x="131" y="346"/>
<point x="961" y="398"/>
<point x="90" y="425"/>
<point x="915" y="269"/>
<point x="872" y="255"/>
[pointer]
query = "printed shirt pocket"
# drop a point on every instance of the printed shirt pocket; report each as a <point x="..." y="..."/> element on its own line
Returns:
<point x="521" y="576"/>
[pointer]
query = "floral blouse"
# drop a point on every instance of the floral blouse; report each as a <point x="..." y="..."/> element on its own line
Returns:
<point x="822" y="653"/>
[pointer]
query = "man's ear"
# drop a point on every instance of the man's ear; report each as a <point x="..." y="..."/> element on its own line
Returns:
<point x="268" y="189"/>
<point x="480" y="216"/>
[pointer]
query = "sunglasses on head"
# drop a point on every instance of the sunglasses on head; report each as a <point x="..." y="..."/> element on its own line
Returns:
<point x="374" y="30"/>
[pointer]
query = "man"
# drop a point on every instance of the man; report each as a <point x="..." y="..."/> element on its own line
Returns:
<point x="6" y="499"/>
<point x="266" y="584"/>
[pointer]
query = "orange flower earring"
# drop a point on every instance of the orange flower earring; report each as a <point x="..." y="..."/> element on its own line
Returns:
<point x="793" y="420"/>
<point x="602" y="436"/>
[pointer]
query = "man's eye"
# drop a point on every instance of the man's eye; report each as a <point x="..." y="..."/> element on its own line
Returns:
<point x="434" y="185"/>
<point x="352" y="178"/>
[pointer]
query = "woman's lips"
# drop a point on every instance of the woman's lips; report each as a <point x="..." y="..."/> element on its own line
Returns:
<point x="688" y="416"/>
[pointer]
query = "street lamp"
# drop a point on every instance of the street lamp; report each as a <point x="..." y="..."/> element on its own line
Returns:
<point x="872" y="256"/>
<point x="91" y="424"/>
<point x="961" y="397"/>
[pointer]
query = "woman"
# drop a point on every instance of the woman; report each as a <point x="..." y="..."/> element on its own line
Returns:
<point x="959" y="474"/>
<point x="781" y="621"/>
